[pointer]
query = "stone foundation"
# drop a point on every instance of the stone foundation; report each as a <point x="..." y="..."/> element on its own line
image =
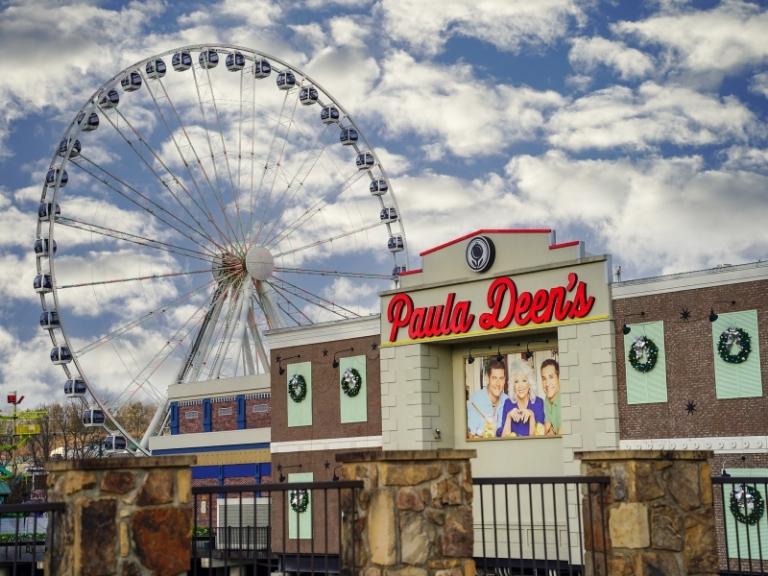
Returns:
<point x="658" y="510"/>
<point x="124" y="516"/>
<point x="413" y="516"/>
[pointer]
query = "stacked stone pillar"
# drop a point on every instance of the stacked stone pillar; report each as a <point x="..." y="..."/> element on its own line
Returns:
<point x="414" y="515"/>
<point x="123" y="517"/>
<point x="659" y="514"/>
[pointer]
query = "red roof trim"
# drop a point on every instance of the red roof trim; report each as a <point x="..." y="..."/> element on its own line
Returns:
<point x="564" y="244"/>
<point x="409" y="272"/>
<point x="487" y="231"/>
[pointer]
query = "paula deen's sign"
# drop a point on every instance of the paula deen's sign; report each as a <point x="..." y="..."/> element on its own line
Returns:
<point x="503" y="305"/>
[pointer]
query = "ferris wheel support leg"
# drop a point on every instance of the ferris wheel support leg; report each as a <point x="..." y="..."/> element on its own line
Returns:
<point x="199" y="352"/>
<point x="270" y="311"/>
<point x="154" y="424"/>
<point x="238" y="303"/>
<point x="258" y="344"/>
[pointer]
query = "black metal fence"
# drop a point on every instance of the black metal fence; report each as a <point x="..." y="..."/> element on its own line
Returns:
<point x="25" y="531"/>
<point x="540" y="525"/>
<point x="297" y="528"/>
<point x="742" y="524"/>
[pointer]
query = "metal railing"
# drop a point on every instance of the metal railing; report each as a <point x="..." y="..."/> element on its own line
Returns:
<point x="25" y="532"/>
<point x="299" y="527"/>
<point x="543" y="526"/>
<point x="742" y="524"/>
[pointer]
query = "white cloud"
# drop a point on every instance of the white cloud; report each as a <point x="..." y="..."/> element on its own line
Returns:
<point x="469" y="116"/>
<point x="507" y="24"/>
<point x="311" y="34"/>
<point x="63" y="49"/>
<point x="706" y="43"/>
<point x="745" y="158"/>
<point x="647" y="117"/>
<point x="350" y="31"/>
<point x="759" y="84"/>
<point x="590" y="53"/>
<point x="650" y="214"/>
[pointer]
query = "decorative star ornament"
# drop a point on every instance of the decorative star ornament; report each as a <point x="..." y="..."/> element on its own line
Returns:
<point x="690" y="407"/>
<point x="685" y="314"/>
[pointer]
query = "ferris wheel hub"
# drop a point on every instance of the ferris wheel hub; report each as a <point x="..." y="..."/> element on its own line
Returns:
<point x="259" y="262"/>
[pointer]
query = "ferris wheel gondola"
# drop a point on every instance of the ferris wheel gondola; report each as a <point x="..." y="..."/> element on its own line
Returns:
<point x="209" y="208"/>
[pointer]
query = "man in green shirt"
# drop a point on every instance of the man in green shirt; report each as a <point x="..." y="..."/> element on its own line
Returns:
<point x="550" y="378"/>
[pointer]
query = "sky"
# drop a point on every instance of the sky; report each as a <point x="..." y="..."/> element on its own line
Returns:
<point x="638" y="127"/>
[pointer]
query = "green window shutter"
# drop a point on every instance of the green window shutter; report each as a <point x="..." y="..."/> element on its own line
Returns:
<point x="355" y="408"/>
<point x="300" y="524"/>
<point x="744" y="541"/>
<point x="646" y="387"/>
<point x="299" y="413"/>
<point x="737" y="380"/>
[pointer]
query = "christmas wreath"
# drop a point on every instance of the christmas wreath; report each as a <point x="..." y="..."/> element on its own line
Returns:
<point x="643" y="354"/>
<point x="297" y="388"/>
<point x="351" y="382"/>
<point x="728" y="339"/>
<point x="747" y="505"/>
<point x="299" y="501"/>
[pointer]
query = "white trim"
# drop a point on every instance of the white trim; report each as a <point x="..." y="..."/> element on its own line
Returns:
<point x="324" y="332"/>
<point x="326" y="444"/>
<point x="208" y="439"/>
<point x="720" y="444"/>
<point x="224" y="387"/>
<point x="691" y="280"/>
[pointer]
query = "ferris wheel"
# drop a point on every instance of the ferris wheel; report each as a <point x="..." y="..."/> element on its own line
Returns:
<point x="200" y="197"/>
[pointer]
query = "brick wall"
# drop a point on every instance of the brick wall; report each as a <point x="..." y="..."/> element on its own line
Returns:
<point x="258" y="419"/>
<point x="224" y="415"/>
<point x="690" y="365"/>
<point x="326" y="417"/>
<point x="186" y="425"/>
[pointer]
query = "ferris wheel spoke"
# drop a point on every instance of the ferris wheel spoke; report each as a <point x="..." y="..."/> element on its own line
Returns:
<point x="220" y="195"/>
<point x="327" y="240"/>
<point x="258" y="192"/>
<point x="134" y="279"/>
<point x="318" y="206"/>
<point x="226" y="155"/>
<point x="144" y="197"/>
<point x="133" y="238"/>
<point x="290" y="303"/>
<point x="199" y="228"/>
<point x="176" y="340"/>
<point x="313" y="298"/>
<point x="199" y="202"/>
<point x="278" y="163"/>
<point x="294" y="187"/>
<point x="128" y="326"/>
<point x="240" y="138"/>
<point x="337" y="273"/>
<point x="200" y="165"/>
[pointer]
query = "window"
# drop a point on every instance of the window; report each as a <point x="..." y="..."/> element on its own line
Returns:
<point x="650" y="386"/>
<point x="225" y="411"/>
<point x="191" y="415"/>
<point x="258" y="408"/>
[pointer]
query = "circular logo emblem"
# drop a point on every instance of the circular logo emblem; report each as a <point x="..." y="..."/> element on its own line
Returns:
<point x="480" y="253"/>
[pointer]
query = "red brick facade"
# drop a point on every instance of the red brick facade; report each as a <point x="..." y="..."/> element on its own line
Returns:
<point x="690" y="365"/>
<point x="326" y="419"/>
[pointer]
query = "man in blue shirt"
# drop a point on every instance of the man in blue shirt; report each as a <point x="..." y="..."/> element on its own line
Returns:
<point x="484" y="408"/>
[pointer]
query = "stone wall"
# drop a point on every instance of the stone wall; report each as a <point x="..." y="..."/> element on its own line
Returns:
<point x="658" y="513"/>
<point x="124" y="516"/>
<point x="413" y="516"/>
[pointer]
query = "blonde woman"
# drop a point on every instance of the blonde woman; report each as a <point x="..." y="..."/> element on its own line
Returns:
<point x="524" y="412"/>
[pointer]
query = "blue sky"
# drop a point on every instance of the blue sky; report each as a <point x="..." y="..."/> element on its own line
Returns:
<point x="637" y="127"/>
